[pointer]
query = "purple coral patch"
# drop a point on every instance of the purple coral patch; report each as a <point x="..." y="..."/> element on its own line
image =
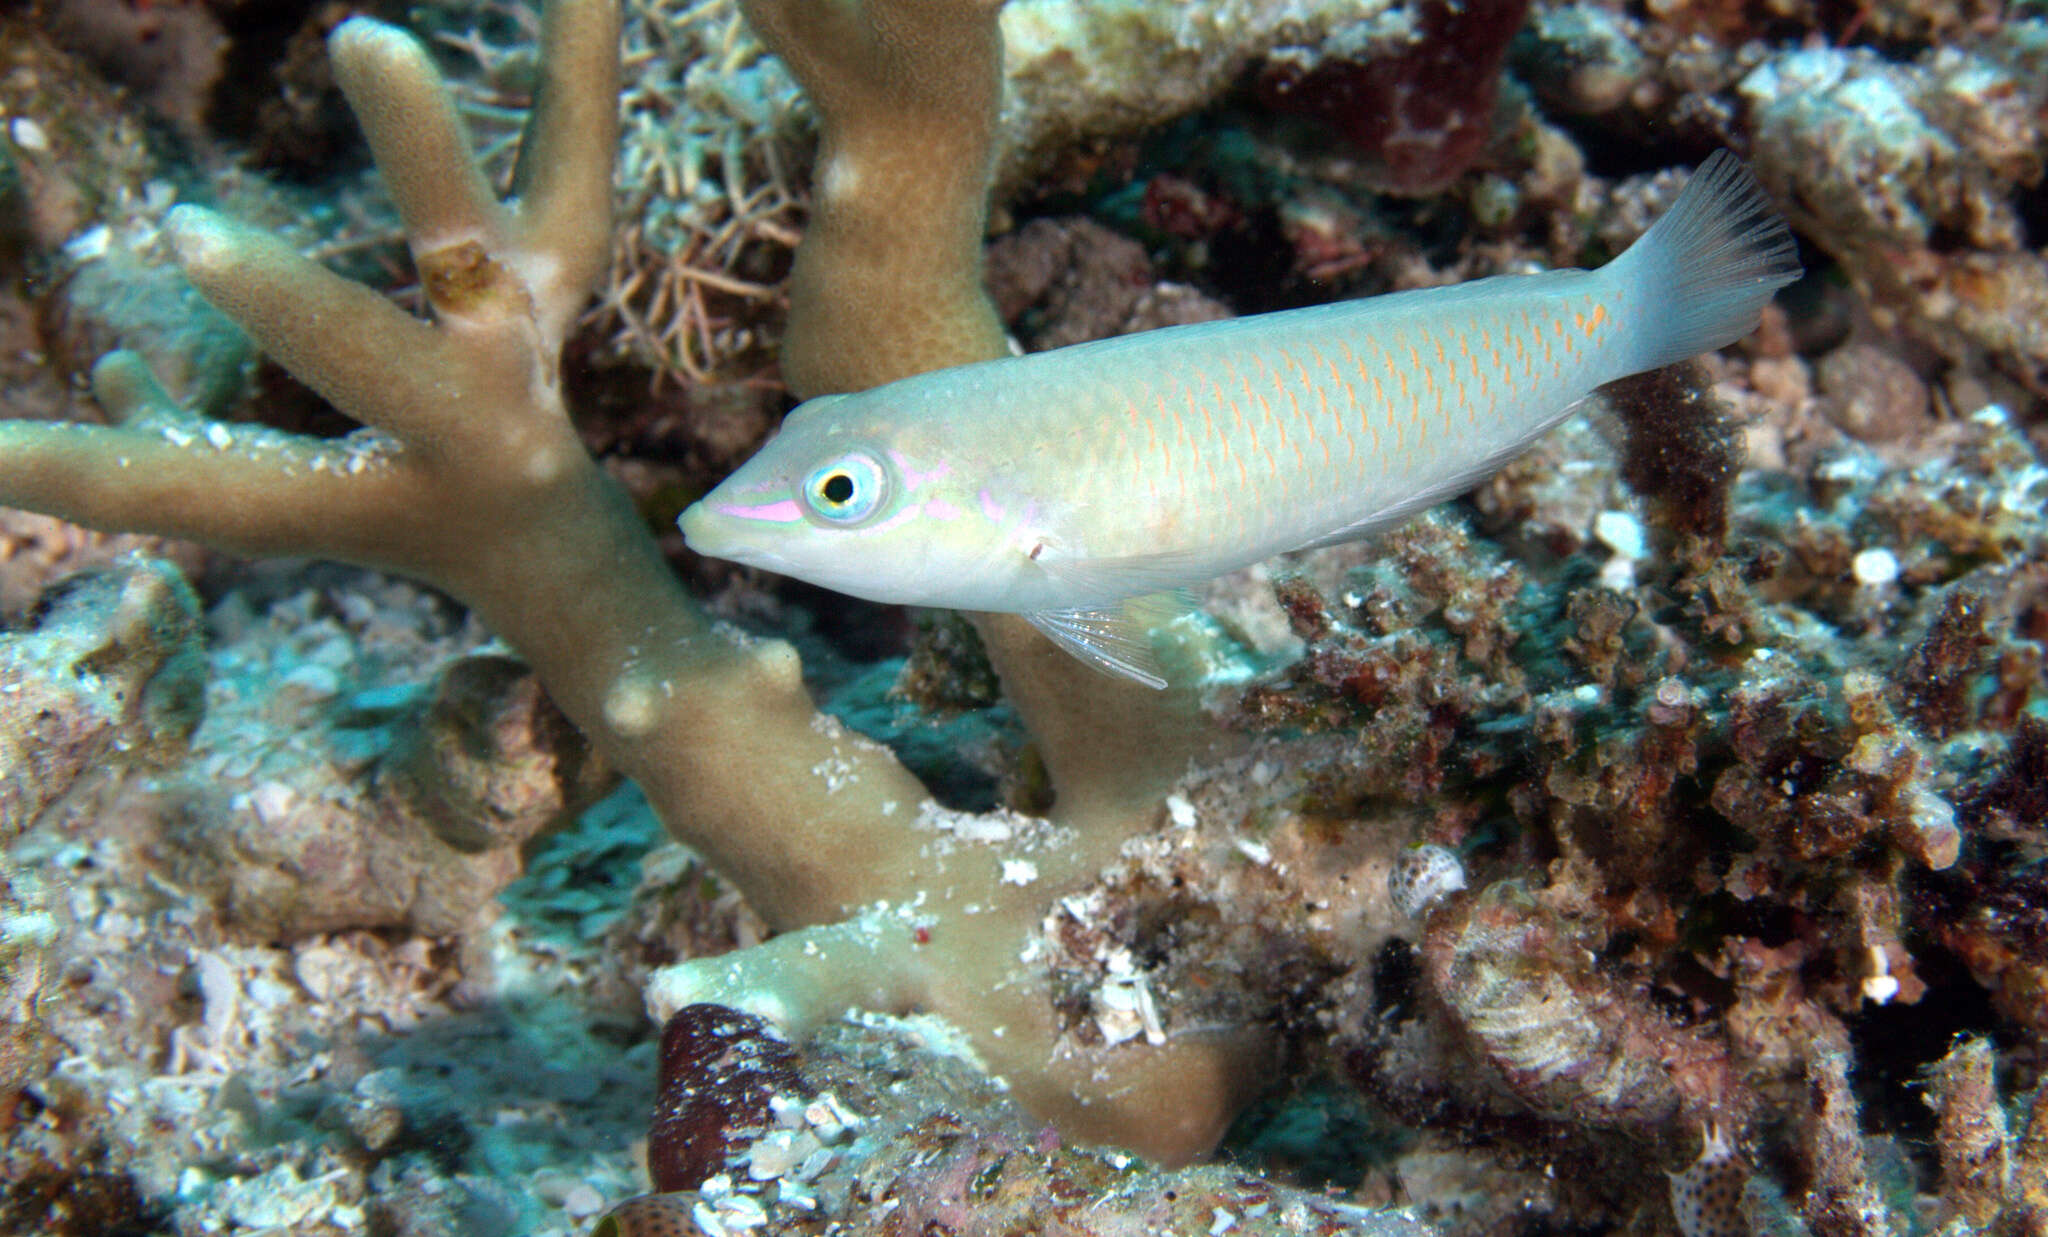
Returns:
<point x="1423" y="111"/>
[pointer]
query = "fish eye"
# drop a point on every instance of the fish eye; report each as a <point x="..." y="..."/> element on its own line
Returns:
<point x="845" y="490"/>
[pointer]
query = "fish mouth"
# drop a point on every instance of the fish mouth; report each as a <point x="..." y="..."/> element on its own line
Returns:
<point x="705" y="533"/>
<point x="715" y="534"/>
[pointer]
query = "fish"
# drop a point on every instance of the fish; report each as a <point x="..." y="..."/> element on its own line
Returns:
<point x="1079" y="486"/>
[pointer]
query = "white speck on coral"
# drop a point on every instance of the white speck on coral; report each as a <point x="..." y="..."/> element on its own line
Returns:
<point x="582" y="1201"/>
<point x="1148" y="1013"/>
<point x="28" y="135"/>
<point x="830" y="1121"/>
<point x="706" y="1218"/>
<point x="271" y="801"/>
<point x="89" y="244"/>
<point x="1123" y="1004"/>
<point x="1618" y="574"/>
<point x="2018" y="497"/>
<point x="1879" y="987"/>
<point x="1019" y="871"/>
<point x="220" y="994"/>
<point x="1180" y="812"/>
<point x="742" y="1212"/>
<point x="841" y="178"/>
<point x="629" y="707"/>
<point x="1621" y="532"/>
<point x="1874" y="568"/>
<point x="837" y="771"/>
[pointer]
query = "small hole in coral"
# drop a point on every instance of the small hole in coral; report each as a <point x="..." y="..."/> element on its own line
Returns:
<point x="1894" y="1045"/>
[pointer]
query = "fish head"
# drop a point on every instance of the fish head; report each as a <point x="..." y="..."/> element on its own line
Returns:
<point x="848" y="498"/>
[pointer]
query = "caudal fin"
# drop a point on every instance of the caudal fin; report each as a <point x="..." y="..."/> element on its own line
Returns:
<point x="1704" y="271"/>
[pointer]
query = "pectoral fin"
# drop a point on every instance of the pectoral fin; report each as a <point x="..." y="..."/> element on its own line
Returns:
<point x="1115" y="639"/>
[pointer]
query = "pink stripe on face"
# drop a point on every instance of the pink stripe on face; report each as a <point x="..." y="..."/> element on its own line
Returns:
<point x="784" y="512"/>
<point x="913" y="479"/>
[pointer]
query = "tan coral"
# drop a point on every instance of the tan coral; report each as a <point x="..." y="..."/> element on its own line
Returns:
<point x="469" y="475"/>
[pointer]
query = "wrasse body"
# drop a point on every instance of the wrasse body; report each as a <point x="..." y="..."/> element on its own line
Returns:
<point x="1062" y="484"/>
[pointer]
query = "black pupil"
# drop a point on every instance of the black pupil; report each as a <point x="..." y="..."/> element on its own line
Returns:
<point x="837" y="488"/>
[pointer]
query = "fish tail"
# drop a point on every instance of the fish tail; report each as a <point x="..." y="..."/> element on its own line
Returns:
<point x="1703" y="272"/>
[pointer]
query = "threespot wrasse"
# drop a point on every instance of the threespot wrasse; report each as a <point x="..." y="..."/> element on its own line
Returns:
<point x="1063" y="484"/>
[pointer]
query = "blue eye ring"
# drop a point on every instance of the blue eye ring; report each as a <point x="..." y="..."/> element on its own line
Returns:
<point x="846" y="490"/>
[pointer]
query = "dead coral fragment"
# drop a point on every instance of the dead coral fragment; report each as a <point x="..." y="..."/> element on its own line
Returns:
<point x="1908" y="175"/>
<point x="407" y="808"/>
<point x="1680" y="451"/>
<point x="1804" y="783"/>
<point x="1419" y="102"/>
<point x="902" y="1138"/>
<point x="1971" y="1136"/>
<point x="55" y="1202"/>
<point x="2015" y="802"/>
<point x="1572" y="1043"/>
<point x="1937" y="678"/>
<point x="1840" y="1199"/>
<point x="112" y="665"/>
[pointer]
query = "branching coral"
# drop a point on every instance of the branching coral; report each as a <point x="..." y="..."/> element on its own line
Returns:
<point x="717" y="138"/>
<point x="468" y="475"/>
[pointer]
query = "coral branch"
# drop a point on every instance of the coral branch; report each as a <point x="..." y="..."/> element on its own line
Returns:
<point x="887" y="282"/>
<point x="112" y="666"/>
<point x="468" y="475"/>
